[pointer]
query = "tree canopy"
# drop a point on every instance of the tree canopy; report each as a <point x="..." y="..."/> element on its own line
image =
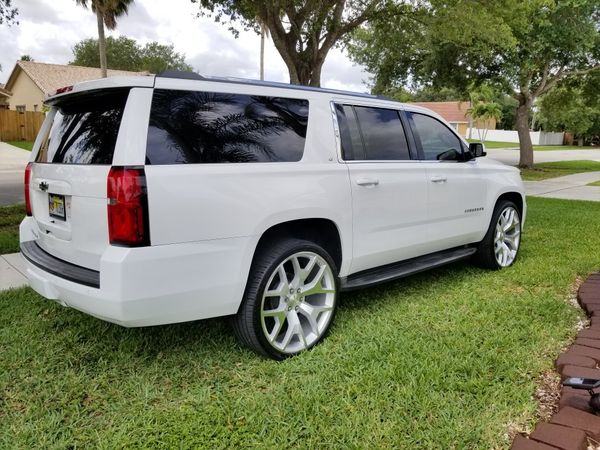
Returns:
<point x="573" y="106"/>
<point x="525" y="46"/>
<point x="302" y="32"/>
<point x="124" y="53"/>
<point x="8" y="14"/>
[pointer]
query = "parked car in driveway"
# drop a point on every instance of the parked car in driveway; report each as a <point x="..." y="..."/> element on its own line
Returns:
<point x="155" y="200"/>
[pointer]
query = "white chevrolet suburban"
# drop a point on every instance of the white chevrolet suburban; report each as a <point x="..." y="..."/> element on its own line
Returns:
<point x="176" y="197"/>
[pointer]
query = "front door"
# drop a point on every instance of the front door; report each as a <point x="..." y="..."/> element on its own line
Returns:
<point x="456" y="189"/>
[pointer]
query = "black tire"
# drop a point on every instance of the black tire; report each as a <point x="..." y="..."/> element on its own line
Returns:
<point x="248" y="324"/>
<point x="486" y="256"/>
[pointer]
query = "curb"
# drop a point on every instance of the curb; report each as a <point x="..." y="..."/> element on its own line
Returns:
<point x="574" y="426"/>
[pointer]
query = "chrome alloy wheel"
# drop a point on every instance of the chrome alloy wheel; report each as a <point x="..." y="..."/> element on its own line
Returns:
<point x="507" y="237"/>
<point x="298" y="302"/>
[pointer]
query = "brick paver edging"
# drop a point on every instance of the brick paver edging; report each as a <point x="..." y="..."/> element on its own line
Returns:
<point x="573" y="424"/>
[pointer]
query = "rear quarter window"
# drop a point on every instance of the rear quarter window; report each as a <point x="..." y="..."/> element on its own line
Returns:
<point x="84" y="129"/>
<point x="190" y="127"/>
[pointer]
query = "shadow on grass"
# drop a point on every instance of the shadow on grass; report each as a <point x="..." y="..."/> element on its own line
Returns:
<point x="213" y="338"/>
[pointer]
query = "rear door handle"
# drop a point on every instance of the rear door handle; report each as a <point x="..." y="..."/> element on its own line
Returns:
<point x="438" y="179"/>
<point x="367" y="181"/>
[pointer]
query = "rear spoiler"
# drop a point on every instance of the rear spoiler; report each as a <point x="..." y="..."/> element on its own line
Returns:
<point x="103" y="83"/>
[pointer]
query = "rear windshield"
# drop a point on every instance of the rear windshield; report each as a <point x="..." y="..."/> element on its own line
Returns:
<point x="84" y="129"/>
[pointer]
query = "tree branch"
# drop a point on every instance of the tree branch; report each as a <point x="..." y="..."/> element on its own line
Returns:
<point x="561" y="75"/>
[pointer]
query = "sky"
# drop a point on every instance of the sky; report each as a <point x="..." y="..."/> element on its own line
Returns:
<point x="49" y="29"/>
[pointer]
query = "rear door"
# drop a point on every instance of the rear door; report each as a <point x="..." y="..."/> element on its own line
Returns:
<point x="69" y="175"/>
<point x="389" y="190"/>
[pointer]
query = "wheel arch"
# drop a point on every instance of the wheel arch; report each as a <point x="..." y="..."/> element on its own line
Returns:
<point x="513" y="196"/>
<point x="321" y="231"/>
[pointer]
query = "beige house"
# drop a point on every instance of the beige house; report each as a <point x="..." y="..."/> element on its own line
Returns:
<point x="455" y="113"/>
<point x="30" y="82"/>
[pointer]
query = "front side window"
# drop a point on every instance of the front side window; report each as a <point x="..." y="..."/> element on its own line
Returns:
<point x="84" y="129"/>
<point x="190" y="127"/>
<point x="436" y="141"/>
<point x="372" y="133"/>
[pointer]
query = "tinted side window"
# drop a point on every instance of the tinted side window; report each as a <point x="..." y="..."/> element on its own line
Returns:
<point x="352" y="146"/>
<point x="189" y="127"/>
<point x="84" y="129"/>
<point x="436" y="140"/>
<point x="382" y="133"/>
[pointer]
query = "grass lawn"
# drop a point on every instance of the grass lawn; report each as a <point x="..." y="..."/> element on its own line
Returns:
<point x="25" y="145"/>
<point x="444" y="359"/>
<point x="496" y="144"/>
<point x="10" y="218"/>
<point x="595" y="183"/>
<point x="544" y="171"/>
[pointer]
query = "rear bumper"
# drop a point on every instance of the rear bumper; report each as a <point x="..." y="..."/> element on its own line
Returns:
<point x="152" y="285"/>
<point x="63" y="269"/>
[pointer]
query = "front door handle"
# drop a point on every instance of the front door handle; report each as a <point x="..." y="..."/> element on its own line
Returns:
<point x="367" y="181"/>
<point x="438" y="179"/>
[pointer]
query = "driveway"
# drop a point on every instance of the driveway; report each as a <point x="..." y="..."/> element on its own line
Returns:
<point x="511" y="157"/>
<point x="12" y="166"/>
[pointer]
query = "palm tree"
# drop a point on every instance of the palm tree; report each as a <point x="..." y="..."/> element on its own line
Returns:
<point x="484" y="110"/>
<point x="106" y="12"/>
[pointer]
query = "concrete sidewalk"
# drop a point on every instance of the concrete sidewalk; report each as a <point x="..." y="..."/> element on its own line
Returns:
<point x="12" y="271"/>
<point x="12" y="166"/>
<point x="569" y="187"/>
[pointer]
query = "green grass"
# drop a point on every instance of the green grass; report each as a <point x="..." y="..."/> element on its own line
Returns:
<point x="544" y="171"/>
<point x="10" y="218"/>
<point x="445" y="359"/>
<point x="25" y="145"/>
<point x="496" y="144"/>
<point x="562" y="147"/>
<point x="595" y="183"/>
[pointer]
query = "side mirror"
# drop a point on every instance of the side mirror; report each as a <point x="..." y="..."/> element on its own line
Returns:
<point x="477" y="149"/>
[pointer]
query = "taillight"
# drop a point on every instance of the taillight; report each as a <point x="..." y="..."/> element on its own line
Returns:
<point x="127" y="207"/>
<point x="26" y="185"/>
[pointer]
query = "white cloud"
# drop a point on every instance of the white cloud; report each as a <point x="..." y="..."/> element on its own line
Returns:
<point x="49" y="29"/>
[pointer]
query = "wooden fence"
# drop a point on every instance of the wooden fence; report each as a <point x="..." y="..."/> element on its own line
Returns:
<point x="20" y="126"/>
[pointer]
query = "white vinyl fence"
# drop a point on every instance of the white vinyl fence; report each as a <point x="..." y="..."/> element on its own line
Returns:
<point x="537" y="137"/>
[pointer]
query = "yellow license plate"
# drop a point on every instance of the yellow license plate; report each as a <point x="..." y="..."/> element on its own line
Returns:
<point x="56" y="206"/>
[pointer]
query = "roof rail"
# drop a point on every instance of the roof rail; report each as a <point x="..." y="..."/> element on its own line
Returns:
<point x="195" y="76"/>
<point x="180" y="74"/>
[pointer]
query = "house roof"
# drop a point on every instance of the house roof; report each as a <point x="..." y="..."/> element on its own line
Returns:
<point x="50" y="77"/>
<point x="450" y="111"/>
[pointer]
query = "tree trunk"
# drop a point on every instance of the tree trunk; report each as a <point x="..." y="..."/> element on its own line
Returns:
<point x="101" y="43"/>
<point x="526" y="148"/>
<point x="306" y="73"/>
<point x="580" y="141"/>
<point x="262" y="52"/>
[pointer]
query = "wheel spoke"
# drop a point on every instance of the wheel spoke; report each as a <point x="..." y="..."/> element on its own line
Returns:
<point x="308" y="269"/>
<point x="312" y="312"/>
<point x="509" y="220"/>
<point x="316" y="285"/>
<point x="505" y="254"/>
<point x="293" y="329"/>
<point x="280" y="316"/>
